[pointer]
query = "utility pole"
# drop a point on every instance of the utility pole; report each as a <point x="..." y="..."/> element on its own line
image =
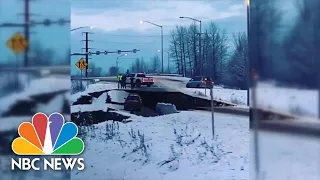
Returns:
<point x="87" y="50"/>
<point x="27" y="24"/>
<point x="162" y="49"/>
<point x="200" y="54"/>
<point x="26" y="30"/>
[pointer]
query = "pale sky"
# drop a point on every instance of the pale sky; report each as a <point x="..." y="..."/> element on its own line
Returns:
<point x="116" y="25"/>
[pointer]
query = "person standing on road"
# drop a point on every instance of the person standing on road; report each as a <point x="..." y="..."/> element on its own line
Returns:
<point x="119" y="77"/>
<point x="131" y="82"/>
<point x="124" y="81"/>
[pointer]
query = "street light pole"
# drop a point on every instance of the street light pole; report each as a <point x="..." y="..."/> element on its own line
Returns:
<point x="117" y="61"/>
<point x="81" y="28"/>
<point x="200" y="54"/>
<point x="252" y="82"/>
<point x="161" y="49"/>
<point x="200" y="57"/>
<point x="161" y="40"/>
<point x="248" y="63"/>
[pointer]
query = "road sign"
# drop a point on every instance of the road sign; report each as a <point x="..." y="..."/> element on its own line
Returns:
<point x="81" y="64"/>
<point x="17" y="43"/>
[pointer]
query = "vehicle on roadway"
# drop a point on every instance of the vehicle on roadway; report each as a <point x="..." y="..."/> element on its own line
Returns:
<point x="133" y="103"/>
<point x="198" y="82"/>
<point x="140" y="79"/>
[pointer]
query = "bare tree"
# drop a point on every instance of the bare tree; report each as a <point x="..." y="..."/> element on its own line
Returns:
<point x="238" y="63"/>
<point x="265" y="20"/>
<point x="174" y="51"/>
<point x="95" y="71"/>
<point x="303" y="43"/>
<point x="139" y="65"/>
<point x="155" y="64"/>
<point x="113" y="71"/>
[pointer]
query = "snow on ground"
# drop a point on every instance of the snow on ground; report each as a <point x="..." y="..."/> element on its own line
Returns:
<point x="290" y="100"/>
<point x="35" y="87"/>
<point x="175" y="78"/>
<point x="284" y="156"/>
<point x="177" y="146"/>
<point x="10" y="80"/>
<point x="229" y="95"/>
<point x="97" y="104"/>
<point x="94" y="88"/>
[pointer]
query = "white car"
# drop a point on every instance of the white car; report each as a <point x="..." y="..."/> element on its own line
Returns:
<point x="140" y="79"/>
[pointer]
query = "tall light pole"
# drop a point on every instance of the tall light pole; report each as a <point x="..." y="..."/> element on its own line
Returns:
<point x="117" y="61"/>
<point x="82" y="28"/>
<point x="252" y="78"/>
<point x="161" y="40"/>
<point x="248" y="63"/>
<point x="200" y="57"/>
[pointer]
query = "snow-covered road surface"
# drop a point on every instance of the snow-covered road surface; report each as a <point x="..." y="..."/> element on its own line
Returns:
<point x="177" y="146"/>
<point x="302" y="102"/>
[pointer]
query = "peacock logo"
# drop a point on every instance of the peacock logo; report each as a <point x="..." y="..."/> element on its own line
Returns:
<point x="47" y="136"/>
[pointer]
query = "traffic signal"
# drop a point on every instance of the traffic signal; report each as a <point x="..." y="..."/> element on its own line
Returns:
<point x="119" y="51"/>
<point x="98" y="52"/>
<point x="105" y="52"/>
<point x="134" y="51"/>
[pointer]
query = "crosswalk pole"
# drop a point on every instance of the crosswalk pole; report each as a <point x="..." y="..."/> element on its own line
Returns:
<point x="212" y="110"/>
<point x="17" y="76"/>
<point x="81" y="79"/>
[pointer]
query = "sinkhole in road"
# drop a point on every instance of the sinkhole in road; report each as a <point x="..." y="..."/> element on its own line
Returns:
<point x="94" y="117"/>
<point x="116" y="100"/>
<point x="149" y="98"/>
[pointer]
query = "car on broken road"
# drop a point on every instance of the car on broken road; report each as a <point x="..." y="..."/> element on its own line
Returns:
<point x="199" y="82"/>
<point x="133" y="103"/>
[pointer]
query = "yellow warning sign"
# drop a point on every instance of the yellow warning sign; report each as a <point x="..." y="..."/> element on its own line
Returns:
<point x="81" y="64"/>
<point x="17" y="43"/>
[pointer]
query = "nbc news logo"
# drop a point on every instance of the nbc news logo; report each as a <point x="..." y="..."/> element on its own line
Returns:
<point x="47" y="136"/>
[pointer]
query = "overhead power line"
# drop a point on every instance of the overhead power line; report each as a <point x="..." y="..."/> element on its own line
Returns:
<point x="125" y="42"/>
<point x="168" y="35"/>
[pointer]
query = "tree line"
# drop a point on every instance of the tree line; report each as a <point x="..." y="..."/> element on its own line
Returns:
<point x="227" y="65"/>
<point x="282" y="50"/>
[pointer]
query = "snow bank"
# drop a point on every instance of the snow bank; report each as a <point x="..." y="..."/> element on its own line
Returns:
<point x="290" y="100"/>
<point x="35" y="87"/>
<point x="173" y="78"/>
<point x="284" y="156"/>
<point x="94" y="88"/>
<point x="96" y="105"/>
<point x="167" y="147"/>
<point x="165" y="108"/>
